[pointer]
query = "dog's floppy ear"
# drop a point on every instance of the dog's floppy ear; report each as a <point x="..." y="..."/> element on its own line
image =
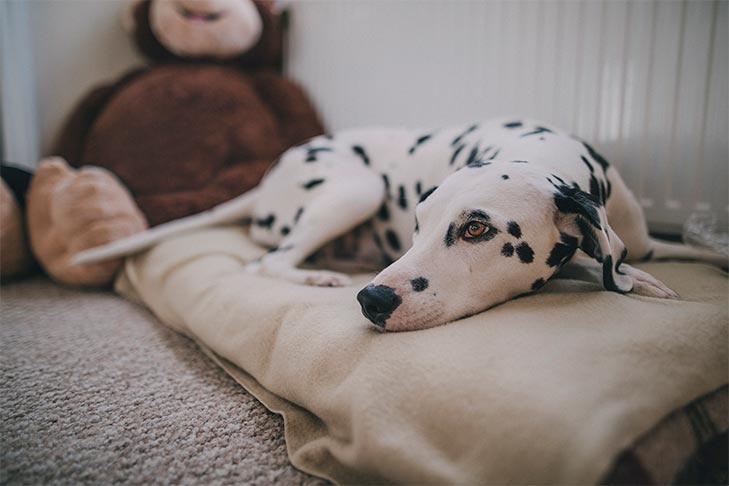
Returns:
<point x="582" y="215"/>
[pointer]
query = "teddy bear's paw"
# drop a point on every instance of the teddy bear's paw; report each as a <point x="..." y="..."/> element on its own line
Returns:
<point x="54" y="162"/>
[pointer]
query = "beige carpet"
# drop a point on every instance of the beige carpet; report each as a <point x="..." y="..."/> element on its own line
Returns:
<point x="94" y="390"/>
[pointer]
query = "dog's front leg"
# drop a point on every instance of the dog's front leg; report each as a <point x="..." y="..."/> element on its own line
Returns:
<point x="584" y="268"/>
<point x="349" y="196"/>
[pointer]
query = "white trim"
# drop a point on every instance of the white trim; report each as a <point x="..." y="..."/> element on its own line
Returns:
<point x="18" y="108"/>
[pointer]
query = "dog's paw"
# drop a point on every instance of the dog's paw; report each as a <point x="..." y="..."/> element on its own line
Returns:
<point x="318" y="278"/>
<point x="646" y="284"/>
<point x="253" y="268"/>
<point x="321" y="278"/>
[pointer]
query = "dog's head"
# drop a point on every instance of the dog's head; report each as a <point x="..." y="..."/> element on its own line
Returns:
<point x="485" y="235"/>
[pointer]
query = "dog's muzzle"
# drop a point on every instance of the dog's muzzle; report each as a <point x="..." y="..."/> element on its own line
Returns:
<point x="378" y="303"/>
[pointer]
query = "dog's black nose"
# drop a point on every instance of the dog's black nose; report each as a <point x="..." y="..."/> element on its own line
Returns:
<point x="378" y="302"/>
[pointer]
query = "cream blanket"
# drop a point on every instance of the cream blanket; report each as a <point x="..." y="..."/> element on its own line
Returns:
<point x="543" y="389"/>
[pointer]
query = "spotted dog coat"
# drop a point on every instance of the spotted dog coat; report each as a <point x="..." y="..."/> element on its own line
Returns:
<point x="460" y="219"/>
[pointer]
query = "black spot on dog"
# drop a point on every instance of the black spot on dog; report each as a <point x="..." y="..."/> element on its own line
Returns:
<point x="312" y="184"/>
<point x="648" y="256"/>
<point x="608" y="280"/>
<point x="458" y="139"/>
<point x="477" y="164"/>
<point x="280" y="249"/>
<point x="561" y="252"/>
<point x="360" y="152"/>
<point x="312" y="152"/>
<point x="514" y="124"/>
<point x="537" y="131"/>
<point x="504" y="176"/>
<point x="393" y="240"/>
<point x="589" y="243"/>
<point x="285" y="230"/>
<point x="519" y="162"/>
<point x="538" y="284"/>
<point x="571" y="200"/>
<point x="623" y="254"/>
<point x="514" y="229"/>
<point x="417" y="225"/>
<point x="596" y="157"/>
<point x="401" y="199"/>
<point x="569" y="240"/>
<point x="494" y="155"/>
<point x="507" y="250"/>
<point x="386" y="180"/>
<point x="427" y="193"/>
<point x="472" y="156"/>
<point x="609" y="190"/>
<point x="603" y="192"/>
<point x="418" y="142"/>
<point x="266" y="222"/>
<point x="587" y="163"/>
<point x="298" y="214"/>
<point x="418" y="188"/>
<point x="419" y="284"/>
<point x="595" y="187"/>
<point x="455" y="154"/>
<point x="450" y="237"/>
<point x="525" y="253"/>
<point x="559" y="178"/>
<point x="384" y="212"/>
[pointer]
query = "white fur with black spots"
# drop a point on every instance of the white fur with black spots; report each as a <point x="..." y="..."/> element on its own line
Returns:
<point x="461" y="219"/>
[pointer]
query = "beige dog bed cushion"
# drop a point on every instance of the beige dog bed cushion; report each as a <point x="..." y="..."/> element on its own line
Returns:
<point x="547" y="388"/>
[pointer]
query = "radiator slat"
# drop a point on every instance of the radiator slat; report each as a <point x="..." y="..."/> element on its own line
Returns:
<point x="645" y="80"/>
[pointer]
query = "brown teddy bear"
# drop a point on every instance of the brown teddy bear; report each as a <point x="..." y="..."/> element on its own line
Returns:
<point x="199" y="127"/>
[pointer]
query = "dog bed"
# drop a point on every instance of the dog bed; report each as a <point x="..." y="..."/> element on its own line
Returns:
<point x="548" y="388"/>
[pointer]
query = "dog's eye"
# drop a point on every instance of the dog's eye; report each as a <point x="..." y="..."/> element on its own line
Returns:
<point x="475" y="229"/>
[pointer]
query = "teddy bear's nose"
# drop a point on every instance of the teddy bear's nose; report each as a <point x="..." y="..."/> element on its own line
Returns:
<point x="378" y="302"/>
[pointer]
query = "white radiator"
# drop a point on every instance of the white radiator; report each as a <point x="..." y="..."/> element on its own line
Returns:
<point x="646" y="81"/>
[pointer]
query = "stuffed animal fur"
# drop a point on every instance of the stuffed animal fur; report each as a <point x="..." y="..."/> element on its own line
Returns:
<point x="197" y="128"/>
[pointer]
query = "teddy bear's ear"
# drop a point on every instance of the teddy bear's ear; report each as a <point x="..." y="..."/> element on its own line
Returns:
<point x="269" y="48"/>
<point x="128" y="18"/>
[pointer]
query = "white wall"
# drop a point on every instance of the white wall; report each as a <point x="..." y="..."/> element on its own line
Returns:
<point x="645" y="80"/>
<point x="77" y="44"/>
<point x="54" y="51"/>
<point x="18" y="113"/>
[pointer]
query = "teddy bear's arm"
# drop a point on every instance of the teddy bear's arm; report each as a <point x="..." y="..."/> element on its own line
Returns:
<point x="72" y="137"/>
<point x="71" y="210"/>
<point x="294" y="111"/>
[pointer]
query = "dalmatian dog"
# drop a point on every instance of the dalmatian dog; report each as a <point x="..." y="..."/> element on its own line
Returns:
<point x="461" y="219"/>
